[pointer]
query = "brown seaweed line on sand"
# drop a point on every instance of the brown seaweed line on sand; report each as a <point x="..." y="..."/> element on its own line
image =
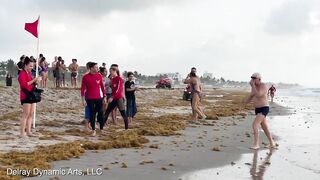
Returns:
<point x="165" y="125"/>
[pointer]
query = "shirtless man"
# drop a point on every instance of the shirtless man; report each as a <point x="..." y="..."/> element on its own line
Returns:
<point x="74" y="69"/>
<point x="259" y="98"/>
<point x="195" y="84"/>
<point x="271" y="92"/>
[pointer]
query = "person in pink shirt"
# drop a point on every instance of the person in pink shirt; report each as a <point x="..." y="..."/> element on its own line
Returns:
<point x="27" y="83"/>
<point x="117" y="99"/>
<point x="93" y="86"/>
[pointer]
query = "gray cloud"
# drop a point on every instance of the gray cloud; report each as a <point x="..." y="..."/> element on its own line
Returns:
<point x="172" y="35"/>
<point x="290" y="19"/>
<point x="94" y="8"/>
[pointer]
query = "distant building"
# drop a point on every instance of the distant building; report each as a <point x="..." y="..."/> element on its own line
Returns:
<point x="207" y="75"/>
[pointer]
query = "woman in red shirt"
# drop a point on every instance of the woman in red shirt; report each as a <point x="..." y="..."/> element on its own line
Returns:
<point x="27" y="82"/>
<point x="117" y="99"/>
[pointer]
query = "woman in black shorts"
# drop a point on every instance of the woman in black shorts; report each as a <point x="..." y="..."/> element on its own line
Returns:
<point x="27" y="83"/>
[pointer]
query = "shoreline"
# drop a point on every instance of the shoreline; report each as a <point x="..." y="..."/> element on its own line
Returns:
<point x="170" y="154"/>
<point x="297" y="156"/>
<point x="173" y="156"/>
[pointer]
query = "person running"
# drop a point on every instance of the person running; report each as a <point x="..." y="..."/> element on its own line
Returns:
<point x="196" y="89"/>
<point x="44" y="66"/>
<point x="117" y="99"/>
<point x="27" y="83"/>
<point x="271" y="92"/>
<point x="259" y="98"/>
<point x="130" y="97"/>
<point x="95" y="93"/>
<point x="74" y="69"/>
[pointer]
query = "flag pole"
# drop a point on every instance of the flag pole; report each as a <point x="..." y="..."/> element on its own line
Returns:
<point x="37" y="71"/>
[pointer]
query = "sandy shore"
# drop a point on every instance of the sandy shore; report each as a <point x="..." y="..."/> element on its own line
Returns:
<point x="198" y="147"/>
<point x="60" y="114"/>
<point x="215" y="148"/>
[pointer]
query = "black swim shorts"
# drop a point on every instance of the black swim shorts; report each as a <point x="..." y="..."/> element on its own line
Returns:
<point x="263" y="110"/>
<point x="26" y="101"/>
<point x="74" y="75"/>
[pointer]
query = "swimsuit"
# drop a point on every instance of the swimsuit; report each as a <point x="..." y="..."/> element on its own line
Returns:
<point x="263" y="110"/>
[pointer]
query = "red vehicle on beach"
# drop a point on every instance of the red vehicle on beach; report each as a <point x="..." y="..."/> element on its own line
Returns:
<point x="164" y="83"/>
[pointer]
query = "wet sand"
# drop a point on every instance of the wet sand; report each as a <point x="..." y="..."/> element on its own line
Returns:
<point x="198" y="147"/>
<point x="297" y="156"/>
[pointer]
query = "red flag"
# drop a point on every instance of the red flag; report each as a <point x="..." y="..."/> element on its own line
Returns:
<point x="32" y="28"/>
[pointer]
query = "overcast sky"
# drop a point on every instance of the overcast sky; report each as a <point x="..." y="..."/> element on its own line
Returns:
<point x="230" y="38"/>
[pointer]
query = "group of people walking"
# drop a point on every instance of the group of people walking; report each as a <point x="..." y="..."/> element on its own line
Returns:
<point x="102" y="94"/>
<point x="103" y="91"/>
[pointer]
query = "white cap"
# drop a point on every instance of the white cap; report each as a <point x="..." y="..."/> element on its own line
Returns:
<point x="256" y="75"/>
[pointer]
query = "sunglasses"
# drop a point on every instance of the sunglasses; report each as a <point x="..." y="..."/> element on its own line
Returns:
<point x="253" y="77"/>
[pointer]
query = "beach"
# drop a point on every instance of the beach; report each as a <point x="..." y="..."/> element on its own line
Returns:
<point x="298" y="155"/>
<point x="174" y="148"/>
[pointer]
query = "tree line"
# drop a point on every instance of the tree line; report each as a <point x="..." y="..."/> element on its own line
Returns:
<point x="8" y="66"/>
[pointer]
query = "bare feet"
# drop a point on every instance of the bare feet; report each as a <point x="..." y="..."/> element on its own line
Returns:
<point x="204" y="118"/>
<point x="93" y="133"/>
<point x="255" y="147"/>
<point x="32" y="135"/>
<point x="120" y="130"/>
<point x="273" y="145"/>
<point x="87" y="125"/>
<point x="23" y="136"/>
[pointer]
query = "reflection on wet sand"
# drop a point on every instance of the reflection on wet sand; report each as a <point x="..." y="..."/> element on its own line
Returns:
<point x="257" y="171"/>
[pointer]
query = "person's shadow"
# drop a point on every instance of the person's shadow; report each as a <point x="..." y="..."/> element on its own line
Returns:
<point x="257" y="171"/>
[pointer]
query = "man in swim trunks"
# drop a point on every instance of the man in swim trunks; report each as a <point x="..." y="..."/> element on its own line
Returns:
<point x="271" y="92"/>
<point x="259" y="98"/>
<point x="74" y="69"/>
